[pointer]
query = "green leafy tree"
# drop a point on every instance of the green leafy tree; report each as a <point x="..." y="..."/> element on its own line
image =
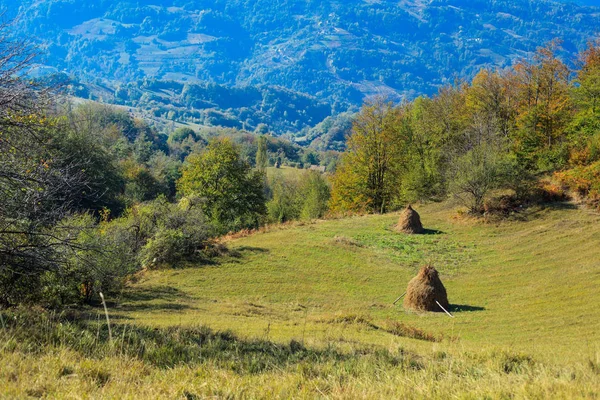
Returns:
<point x="262" y="157"/>
<point x="182" y="133"/>
<point x="232" y="193"/>
<point x="284" y="204"/>
<point x="315" y="194"/>
<point x="423" y="176"/>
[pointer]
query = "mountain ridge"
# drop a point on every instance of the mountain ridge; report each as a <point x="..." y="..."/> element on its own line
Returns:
<point x="337" y="52"/>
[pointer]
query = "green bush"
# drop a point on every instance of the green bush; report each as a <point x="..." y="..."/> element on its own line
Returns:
<point x="169" y="233"/>
<point x="166" y="245"/>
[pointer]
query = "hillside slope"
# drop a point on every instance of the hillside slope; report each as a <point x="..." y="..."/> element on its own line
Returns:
<point x="527" y="285"/>
<point x="306" y="311"/>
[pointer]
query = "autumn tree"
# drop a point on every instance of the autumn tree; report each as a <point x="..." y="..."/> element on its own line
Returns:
<point x="585" y="127"/>
<point x="544" y="106"/>
<point x="369" y="175"/>
<point x="587" y="92"/>
<point x="492" y="96"/>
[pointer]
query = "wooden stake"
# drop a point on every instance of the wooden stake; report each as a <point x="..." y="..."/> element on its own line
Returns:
<point x="403" y="294"/>
<point x="107" y="319"/>
<point x="452" y="316"/>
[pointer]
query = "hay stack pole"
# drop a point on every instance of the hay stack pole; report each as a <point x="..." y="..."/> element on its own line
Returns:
<point x="409" y="221"/>
<point x="446" y="311"/>
<point x="426" y="292"/>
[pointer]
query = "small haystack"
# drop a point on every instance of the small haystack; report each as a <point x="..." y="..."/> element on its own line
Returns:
<point x="409" y="221"/>
<point x="424" y="290"/>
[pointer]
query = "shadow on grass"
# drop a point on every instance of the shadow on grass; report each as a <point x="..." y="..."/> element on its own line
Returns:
<point x="560" y="205"/>
<point x="189" y="346"/>
<point x="464" y="308"/>
<point x="534" y="211"/>
<point x="244" y="250"/>
<point x="91" y="316"/>
<point x="149" y="307"/>
<point x="149" y="293"/>
<point x="198" y="263"/>
<point x="432" y="232"/>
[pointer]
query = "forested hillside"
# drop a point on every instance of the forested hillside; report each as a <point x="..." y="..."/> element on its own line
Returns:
<point x="287" y="63"/>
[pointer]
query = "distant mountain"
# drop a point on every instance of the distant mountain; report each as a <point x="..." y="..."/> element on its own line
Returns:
<point x="335" y="52"/>
<point x="581" y="2"/>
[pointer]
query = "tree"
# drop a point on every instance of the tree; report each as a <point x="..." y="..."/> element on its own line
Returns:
<point x="262" y="157"/>
<point x="544" y="106"/>
<point x="182" y="133"/>
<point x="231" y="192"/>
<point x="475" y="173"/>
<point x="585" y="127"/>
<point x="285" y="201"/>
<point x="315" y="194"/>
<point x="424" y="175"/>
<point x="492" y="94"/>
<point x="261" y="129"/>
<point x="369" y="176"/>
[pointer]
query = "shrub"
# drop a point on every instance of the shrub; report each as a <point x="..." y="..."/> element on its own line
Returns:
<point x="583" y="181"/>
<point x="166" y="245"/>
<point x="104" y="254"/>
<point x="476" y="173"/>
<point x="169" y="233"/>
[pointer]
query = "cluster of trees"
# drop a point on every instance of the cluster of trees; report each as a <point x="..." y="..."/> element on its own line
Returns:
<point x="90" y="194"/>
<point x="501" y="130"/>
<point x="211" y="104"/>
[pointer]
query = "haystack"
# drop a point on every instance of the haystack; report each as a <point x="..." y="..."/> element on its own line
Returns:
<point x="424" y="290"/>
<point x="409" y="221"/>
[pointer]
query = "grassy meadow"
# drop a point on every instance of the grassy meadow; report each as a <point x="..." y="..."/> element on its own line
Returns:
<point x="305" y="310"/>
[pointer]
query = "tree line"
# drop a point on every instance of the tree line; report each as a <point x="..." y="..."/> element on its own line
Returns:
<point x="503" y="130"/>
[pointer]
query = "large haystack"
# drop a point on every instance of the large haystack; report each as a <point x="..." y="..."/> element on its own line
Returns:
<point x="424" y="290"/>
<point x="409" y="221"/>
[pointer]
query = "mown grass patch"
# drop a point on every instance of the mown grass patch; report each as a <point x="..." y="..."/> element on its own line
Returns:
<point x="414" y="251"/>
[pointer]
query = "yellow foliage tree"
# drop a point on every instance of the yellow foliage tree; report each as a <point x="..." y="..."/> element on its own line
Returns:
<point x="368" y="178"/>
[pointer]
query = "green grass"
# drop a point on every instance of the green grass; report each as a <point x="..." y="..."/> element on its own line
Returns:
<point x="287" y="172"/>
<point x="319" y="295"/>
<point x="530" y="285"/>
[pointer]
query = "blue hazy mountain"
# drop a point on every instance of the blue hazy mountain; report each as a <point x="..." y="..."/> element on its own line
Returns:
<point x="330" y="53"/>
